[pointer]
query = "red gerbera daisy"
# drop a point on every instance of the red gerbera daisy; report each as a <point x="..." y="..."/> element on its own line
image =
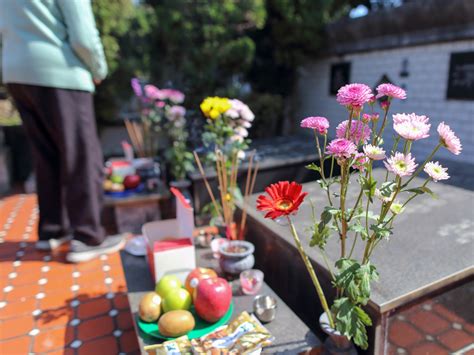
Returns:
<point x="285" y="199"/>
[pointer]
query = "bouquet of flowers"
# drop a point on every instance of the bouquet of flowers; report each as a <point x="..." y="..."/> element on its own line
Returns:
<point x="161" y="112"/>
<point x="225" y="137"/>
<point x="228" y="121"/>
<point x="358" y="144"/>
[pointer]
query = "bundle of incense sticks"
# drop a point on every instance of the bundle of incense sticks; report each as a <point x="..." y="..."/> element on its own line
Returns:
<point x="141" y="134"/>
<point x="227" y="169"/>
<point x="135" y="133"/>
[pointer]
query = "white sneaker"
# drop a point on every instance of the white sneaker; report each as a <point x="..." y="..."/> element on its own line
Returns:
<point x="51" y="244"/>
<point x="81" y="252"/>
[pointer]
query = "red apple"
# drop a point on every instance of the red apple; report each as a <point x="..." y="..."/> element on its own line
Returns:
<point x="195" y="276"/>
<point x="213" y="297"/>
<point x="131" y="181"/>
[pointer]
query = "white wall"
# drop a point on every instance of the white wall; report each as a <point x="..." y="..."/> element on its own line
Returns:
<point x="426" y="91"/>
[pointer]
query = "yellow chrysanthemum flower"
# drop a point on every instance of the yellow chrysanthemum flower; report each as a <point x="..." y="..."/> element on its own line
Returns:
<point x="213" y="107"/>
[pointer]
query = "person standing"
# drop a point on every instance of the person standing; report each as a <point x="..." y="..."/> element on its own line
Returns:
<point x="52" y="59"/>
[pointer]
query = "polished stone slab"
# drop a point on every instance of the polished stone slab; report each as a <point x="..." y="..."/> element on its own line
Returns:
<point x="291" y="334"/>
<point x="432" y="245"/>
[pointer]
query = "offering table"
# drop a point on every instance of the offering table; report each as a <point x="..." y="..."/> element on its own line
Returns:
<point x="291" y="334"/>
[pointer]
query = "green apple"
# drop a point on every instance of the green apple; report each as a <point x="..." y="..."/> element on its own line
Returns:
<point x="166" y="284"/>
<point x="117" y="179"/>
<point x="177" y="299"/>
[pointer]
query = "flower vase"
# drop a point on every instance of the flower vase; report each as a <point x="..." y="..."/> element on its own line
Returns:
<point x="335" y="343"/>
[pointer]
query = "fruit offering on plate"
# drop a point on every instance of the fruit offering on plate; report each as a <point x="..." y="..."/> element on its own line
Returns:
<point x="177" y="299"/>
<point x="212" y="299"/>
<point x="149" y="309"/>
<point x="176" y="323"/>
<point x="166" y="284"/>
<point x="118" y="183"/>
<point x="131" y="181"/>
<point x="197" y="275"/>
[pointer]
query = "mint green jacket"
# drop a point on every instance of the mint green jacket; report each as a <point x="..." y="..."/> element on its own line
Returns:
<point x="52" y="43"/>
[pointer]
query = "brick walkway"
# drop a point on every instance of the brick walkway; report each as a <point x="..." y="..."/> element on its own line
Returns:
<point x="49" y="306"/>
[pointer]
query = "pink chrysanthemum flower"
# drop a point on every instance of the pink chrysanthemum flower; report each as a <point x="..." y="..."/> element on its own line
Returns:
<point x="341" y="148"/>
<point x="354" y="95"/>
<point x="409" y="117"/>
<point x="359" y="131"/>
<point x="401" y="164"/>
<point x="436" y="171"/>
<point x="152" y="92"/>
<point x="360" y="161"/>
<point x="173" y="95"/>
<point x="449" y="139"/>
<point x="373" y="152"/>
<point x="391" y="90"/>
<point x="320" y="124"/>
<point x="411" y="126"/>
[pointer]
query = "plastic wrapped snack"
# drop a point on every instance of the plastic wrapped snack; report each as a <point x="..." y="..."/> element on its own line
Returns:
<point x="243" y="335"/>
<point x="178" y="346"/>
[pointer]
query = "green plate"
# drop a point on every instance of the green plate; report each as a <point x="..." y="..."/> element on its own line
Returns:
<point x="201" y="328"/>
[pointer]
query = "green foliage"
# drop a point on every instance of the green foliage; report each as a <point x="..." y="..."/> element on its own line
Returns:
<point x="125" y="32"/>
<point x="421" y="190"/>
<point x="321" y="231"/>
<point x="203" y="46"/>
<point x="351" y="321"/>
<point x="354" y="278"/>
<point x="113" y="20"/>
<point x="381" y="230"/>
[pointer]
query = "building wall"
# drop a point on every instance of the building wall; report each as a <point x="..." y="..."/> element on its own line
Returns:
<point x="426" y="88"/>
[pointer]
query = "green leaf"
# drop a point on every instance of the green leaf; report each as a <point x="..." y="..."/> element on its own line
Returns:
<point x="368" y="185"/>
<point x="387" y="188"/>
<point x="350" y="321"/>
<point x="381" y="231"/>
<point x="421" y="190"/>
<point x="319" y="237"/>
<point x="364" y="317"/>
<point x="313" y="167"/>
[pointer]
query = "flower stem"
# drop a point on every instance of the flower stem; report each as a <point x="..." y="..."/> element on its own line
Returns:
<point x="343" y="212"/>
<point x="418" y="171"/>
<point x="353" y="245"/>
<point x="311" y="272"/>
<point x="384" y="122"/>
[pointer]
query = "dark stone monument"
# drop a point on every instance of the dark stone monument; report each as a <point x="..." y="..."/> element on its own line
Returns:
<point x="340" y="76"/>
<point x="461" y="76"/>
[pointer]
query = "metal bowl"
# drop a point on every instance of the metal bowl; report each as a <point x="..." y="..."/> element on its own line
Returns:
<point x="264" y="307"/>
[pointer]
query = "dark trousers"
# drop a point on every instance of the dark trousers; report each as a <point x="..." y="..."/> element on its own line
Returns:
<point x="60" y="125"/>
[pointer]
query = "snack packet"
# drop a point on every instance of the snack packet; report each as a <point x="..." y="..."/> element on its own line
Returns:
<point x="178" y="346"/>
<point x="243" y="335"/>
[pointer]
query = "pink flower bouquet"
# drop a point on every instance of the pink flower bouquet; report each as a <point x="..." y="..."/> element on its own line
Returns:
<point x="358" y="144"/>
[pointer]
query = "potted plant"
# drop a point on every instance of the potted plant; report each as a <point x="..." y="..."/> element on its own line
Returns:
<point x="358" y="144"/>
<point x="225" y="137"/>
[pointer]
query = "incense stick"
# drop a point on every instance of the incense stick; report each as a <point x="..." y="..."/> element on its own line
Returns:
<point x="244" y="209"/>
<point x="206" y="183"/>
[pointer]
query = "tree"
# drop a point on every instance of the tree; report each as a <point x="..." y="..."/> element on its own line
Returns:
<point x="125" y="31"/>
<point x="203" y="47"/>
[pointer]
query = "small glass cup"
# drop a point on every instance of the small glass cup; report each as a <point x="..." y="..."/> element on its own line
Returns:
<point x="251" y="281"/>
<point x="215" y="246"/>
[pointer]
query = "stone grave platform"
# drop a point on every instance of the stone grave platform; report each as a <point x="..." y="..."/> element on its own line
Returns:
<point x="431" y="252"/>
